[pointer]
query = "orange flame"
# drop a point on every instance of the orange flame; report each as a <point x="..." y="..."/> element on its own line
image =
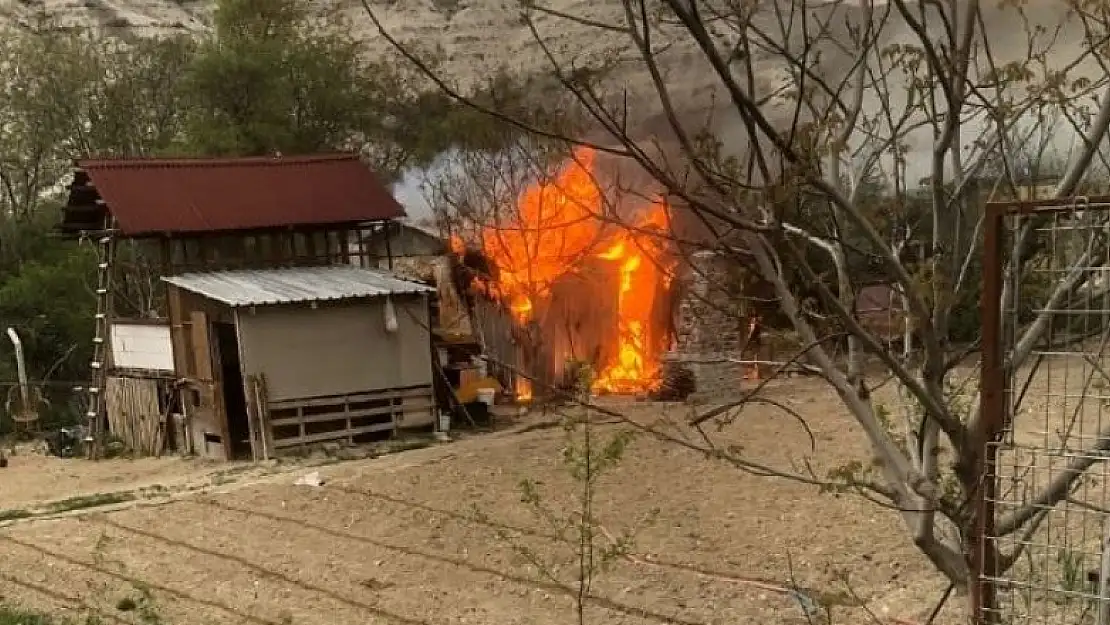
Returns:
<point x="555" y="230"/>
<point x="523" y="389"/>
<point x="636" y="364"/>
<point x="456" y="244"/>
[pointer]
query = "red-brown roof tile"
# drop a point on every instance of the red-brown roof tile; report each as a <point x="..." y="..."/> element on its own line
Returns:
<point x="154" y="196"/>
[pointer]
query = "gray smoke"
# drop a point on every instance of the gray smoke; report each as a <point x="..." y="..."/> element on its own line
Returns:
<point x="413" y="190"/>
<point x="1055" y="35"/>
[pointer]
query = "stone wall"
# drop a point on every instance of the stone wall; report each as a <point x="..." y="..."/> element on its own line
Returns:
<point x="710" y="324"/>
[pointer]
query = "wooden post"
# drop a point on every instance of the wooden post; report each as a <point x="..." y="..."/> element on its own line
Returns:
<point x="263" y="407"/>
<point x="252" y="417"/>
<point x="272" y="253"/>
<point x="345" y="246"/>
<point x="289" y="247"/>
<point x="166" y="252"/>
<point x="360" y="238"/>
<point x="992" y="411"/>
<point x="301" y="433"/>
<point x="389" y="244"/>
<point x="312" y="252"/>
<point x="347" y="414"/>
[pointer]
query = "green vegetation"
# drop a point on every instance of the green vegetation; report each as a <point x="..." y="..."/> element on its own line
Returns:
<point x="14" y="514"/>
<point x="10" y="615"/>
<point x="82" y="502"/>
<point x="143" y="605"/>
<point x="14" y="616"/>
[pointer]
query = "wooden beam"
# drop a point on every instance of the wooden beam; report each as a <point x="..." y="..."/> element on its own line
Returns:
<point x="252" y="418"/>
<point x="202" y="349"/>
<point x="179" y="334"/>
<point x="262" y="398"/>
<point x="311" y="248"/>
<point x="389" y="244"/>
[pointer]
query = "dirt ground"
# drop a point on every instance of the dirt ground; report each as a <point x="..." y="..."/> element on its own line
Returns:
<point x="35" y="478"/>
<point x="440" y="535"/>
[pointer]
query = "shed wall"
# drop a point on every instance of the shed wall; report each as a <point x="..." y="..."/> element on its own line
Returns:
<point x="336" y="349"/>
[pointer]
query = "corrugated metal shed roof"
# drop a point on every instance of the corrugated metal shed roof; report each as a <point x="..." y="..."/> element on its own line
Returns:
<point x="156" y="196"/>
<point x="253" y="287"/>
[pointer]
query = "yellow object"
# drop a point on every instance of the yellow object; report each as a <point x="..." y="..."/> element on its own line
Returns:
<point x="468" y="391"/>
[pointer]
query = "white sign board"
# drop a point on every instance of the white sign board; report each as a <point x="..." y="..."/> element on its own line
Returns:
<point x="142" y="346"/>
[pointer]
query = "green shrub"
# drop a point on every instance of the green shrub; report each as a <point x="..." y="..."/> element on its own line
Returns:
<point x="14" y="616"/>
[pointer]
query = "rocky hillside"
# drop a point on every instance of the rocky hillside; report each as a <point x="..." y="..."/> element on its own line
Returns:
<point x="143" y="17"/>
<point x="476" y="36"/>
<point x="480" y="36"/>
<point x="465" y="29"/>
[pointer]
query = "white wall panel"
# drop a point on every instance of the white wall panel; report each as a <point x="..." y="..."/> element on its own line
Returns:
<point x="142" y="346"/>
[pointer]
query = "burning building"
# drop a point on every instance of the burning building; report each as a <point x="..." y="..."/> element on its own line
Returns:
<point x="581" y="280"/>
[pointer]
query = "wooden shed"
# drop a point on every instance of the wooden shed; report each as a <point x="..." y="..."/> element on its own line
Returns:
<point x="304" y="355"/>
<point x="280" y="332"/>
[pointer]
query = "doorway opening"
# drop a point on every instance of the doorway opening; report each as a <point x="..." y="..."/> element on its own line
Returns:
<point x="235" y="399"/>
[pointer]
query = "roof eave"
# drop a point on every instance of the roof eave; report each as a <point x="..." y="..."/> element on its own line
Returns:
<point x="169" y="234"/>
<point x="310" y="301"/>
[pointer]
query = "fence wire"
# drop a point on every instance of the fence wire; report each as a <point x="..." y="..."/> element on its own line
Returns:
<point x="1057" y="415"/>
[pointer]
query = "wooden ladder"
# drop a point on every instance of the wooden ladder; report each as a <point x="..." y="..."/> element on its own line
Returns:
<point x="105" y="243"/>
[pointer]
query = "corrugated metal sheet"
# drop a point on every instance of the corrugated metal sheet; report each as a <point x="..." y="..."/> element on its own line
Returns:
<point x="252" y="287"/>
<point x="156" y="196"/>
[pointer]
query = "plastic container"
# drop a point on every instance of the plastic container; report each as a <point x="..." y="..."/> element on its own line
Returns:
<point x="486" y="395"/>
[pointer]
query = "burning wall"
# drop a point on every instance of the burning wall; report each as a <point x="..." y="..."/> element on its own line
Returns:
<point x="580" y="285"/>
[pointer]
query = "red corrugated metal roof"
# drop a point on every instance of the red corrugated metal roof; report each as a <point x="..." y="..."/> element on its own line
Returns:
<point x="153" y="196"/>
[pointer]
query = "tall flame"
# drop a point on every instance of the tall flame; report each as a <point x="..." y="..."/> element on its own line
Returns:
<point x="556" y="230"/>
<point x="554" y="227"/>
<point x="635" y="366"/>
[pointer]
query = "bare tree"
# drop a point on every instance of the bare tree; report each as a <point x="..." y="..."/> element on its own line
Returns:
<point x="946" y="102"/>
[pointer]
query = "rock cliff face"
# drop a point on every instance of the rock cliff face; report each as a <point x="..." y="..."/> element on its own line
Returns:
<point x="475" y="36"/>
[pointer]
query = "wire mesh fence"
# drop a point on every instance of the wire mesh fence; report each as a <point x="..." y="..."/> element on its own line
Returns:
<point x="1050" y="500"/>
